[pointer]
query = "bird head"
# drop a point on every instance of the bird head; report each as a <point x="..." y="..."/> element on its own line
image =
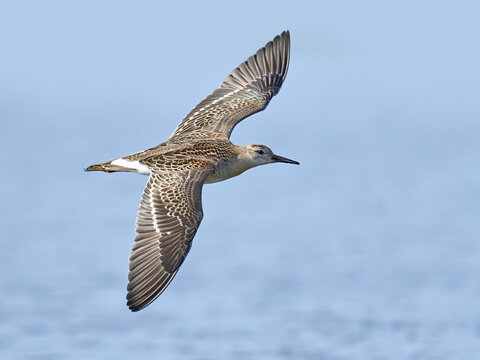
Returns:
<point x="261" y="154"/>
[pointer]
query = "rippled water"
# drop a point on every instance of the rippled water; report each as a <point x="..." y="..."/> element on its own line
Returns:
<point x="368" y="250"/>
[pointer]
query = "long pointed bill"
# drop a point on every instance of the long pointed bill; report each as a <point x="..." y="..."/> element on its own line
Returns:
<point x="278" y="158"/>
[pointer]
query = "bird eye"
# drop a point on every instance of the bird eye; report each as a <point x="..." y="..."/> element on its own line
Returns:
<point x="260" y="152"/>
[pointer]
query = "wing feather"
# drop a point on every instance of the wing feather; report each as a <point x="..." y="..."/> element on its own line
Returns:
<point x="169" y="214"/>
<point x="247" y="90"/>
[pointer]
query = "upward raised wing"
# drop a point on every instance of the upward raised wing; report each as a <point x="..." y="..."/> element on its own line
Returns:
<point x="247" y="90"/>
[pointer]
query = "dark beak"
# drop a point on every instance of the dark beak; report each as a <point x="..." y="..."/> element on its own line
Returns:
<point x="278" y="158"/>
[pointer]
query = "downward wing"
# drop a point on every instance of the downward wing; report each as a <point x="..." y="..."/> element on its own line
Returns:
<point x="168" y="217"/>
<point x="247" y="90"/>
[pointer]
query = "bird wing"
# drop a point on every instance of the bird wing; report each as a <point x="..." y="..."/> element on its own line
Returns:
<point x="247" y="90"/>
<point x="168" y="217"/>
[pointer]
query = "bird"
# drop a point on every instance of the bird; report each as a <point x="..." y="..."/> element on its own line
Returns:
<point x="198" y="152"/>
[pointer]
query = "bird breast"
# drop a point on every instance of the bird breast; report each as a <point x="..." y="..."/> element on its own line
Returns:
<point x="226" y="169"/>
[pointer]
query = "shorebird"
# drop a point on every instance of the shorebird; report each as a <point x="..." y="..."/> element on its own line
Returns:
<point x="199" y="151"/>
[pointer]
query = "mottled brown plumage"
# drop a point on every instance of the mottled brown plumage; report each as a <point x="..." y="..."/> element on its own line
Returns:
<point x="198" y="152"/>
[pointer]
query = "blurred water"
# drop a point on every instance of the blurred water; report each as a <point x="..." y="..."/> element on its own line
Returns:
<point x="368" y="250"/>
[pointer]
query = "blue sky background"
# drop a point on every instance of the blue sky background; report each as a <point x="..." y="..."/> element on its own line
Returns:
<point x="369" y="249"/>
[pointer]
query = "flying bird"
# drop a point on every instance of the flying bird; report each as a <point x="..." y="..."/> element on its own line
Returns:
<point x="198" y="152"/>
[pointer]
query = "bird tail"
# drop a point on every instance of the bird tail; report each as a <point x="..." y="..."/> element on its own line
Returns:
<point x="107" y="167"/>
<point x="120" y="164"/>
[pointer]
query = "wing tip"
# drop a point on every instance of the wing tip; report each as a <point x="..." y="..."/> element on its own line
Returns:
<point x="271" y="59"/>
<point x="137" y="303"/>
